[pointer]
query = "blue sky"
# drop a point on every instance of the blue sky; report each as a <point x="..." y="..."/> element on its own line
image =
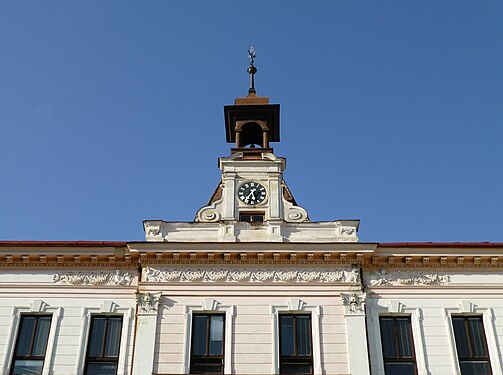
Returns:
<point x="112" y="112"/>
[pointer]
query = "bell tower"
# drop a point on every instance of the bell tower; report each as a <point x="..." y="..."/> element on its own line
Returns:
<point x="252" y="189"/>
<point x="252" y="202"/>
<point x="252" y="122"/>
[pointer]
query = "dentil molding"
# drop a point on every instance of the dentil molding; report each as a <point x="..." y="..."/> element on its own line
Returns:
<point x="384" y="277"/>
<point x="251" y="275"/>
<point x="117" y="277"/>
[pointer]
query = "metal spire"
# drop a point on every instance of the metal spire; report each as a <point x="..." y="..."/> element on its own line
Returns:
<point x="252" y="70"/>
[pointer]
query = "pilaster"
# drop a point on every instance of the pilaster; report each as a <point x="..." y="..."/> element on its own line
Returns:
<point x="354" y="306"/>
<point x="148" y="304"/>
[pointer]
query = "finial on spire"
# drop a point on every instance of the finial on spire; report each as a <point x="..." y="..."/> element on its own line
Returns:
<point x="252" y="70"/>
<point x="251" y="55"/>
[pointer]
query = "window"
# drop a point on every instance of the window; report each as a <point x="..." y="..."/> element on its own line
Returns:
<point x="103" y="346"/>
<point x="295" y="344"/>
<point x="207" y="349"/>
<point x="31" y="344"/>
<point x="252" y="217"/>
<point x="471" y="345"/>
<point x="397" y="345"/>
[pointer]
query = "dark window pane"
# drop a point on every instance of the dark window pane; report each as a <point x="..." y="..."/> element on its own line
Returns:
<point x="471" y="345"/>
<point x="207" y="354"/>
<point x="207" y="366"/>
<point x="113" y="337"/>
<point x="101" y="368"/>
<point x="216" y="335"/>
<point x="28" y="367"/>
<point x="295" y="344"/>
<point x="97" y="336"/>
<point x="199" y="335"/>
<point x="104" y="345"/>
<point x="258" y="218"/>
<point x="287" y="335"/>
<point x="400" y="368"/>
<point x="25" y="335"/>
<point x="397" y="345"/>
<point x="461" y="336"/>
<point x="41" y="336"/>
<point x="388" y="337"/>
<point x="404" y="338"/>
<point x="477" y="337"/>
<point x="303" y="335"/>
<point x="475" y="368"/>
<point x="296" y="368"/>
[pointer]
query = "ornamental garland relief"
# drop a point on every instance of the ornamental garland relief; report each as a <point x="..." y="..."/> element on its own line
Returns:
<point x="116" y="277"/>
<point x="250" y="275"/>
<point x="384" y="277"/>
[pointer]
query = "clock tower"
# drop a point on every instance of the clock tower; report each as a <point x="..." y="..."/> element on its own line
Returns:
<point x="252" y="202"/>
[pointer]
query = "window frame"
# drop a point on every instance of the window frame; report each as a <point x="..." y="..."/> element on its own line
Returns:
<point x="468" y="333"/>
<point x="34" y="332"/>
<point x="255" y="217"/>
<point x="398" y="359"/>
<point x="35" y="306"/>
<point x="295" y="305"/>
<point x="468" y="307"/>
<point x="221" y="357"/>
<point x="209" y="305"/>
<point x="104" y="359"/>
<point x="295" y="357"/>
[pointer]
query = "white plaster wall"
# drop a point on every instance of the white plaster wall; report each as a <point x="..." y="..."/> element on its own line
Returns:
<point x="252" y="347"/>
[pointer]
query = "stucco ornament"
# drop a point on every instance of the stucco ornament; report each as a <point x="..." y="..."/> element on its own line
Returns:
<point x="148" y="302"/>
<point x="354" y="304"/>
<point x="251" y="275"/>
<point x="348" y="231"/>
<point x="117" y="277"/>
<point x="294" y="214"/>
<point x="210" y="213"/>
<point x="152" y="228"/>
<point x="384" y="277"/>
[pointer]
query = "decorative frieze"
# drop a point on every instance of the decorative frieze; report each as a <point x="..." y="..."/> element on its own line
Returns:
<point x="116" y="277"/>
<point x="384" y="277"/>
<point x="251" y="275"/>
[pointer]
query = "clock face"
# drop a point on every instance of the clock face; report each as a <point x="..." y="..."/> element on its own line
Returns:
<point x="251" y="193"/>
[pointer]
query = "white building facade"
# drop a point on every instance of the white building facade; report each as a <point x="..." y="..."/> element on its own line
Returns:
<point x="250" y="287"/>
